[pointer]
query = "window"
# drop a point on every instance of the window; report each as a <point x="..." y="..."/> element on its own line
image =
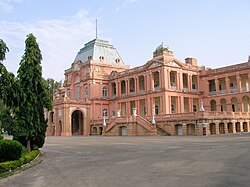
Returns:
<point x="172" y="109"/>
<point x="104" y="92"/>
<point x="78" y="92"/>
<point x="194" y="108"/>
<point x="156" y="110"/>
<point x="113" y="89"/>
<point x="105" y="112"/>
<point x="86" y="92"/>
<point x="113" y="114"/>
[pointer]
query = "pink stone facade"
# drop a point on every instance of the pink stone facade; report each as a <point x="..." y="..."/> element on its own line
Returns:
<point x="162" y="97"/>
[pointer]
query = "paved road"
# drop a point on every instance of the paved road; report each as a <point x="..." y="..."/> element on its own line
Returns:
<point x="140" y="161"/>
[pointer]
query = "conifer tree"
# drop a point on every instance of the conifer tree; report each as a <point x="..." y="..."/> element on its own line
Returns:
<point x="33" y="97"/>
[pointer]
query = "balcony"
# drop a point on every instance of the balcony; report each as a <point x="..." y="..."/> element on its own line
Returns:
<point x="222" y="92"/>
<point x="142" y="91"/>
<point x="173" y="88"/>
<point x="212" y="93"/>
<point x="156" y="88"/>
<point x="233" y="90"/>
<point x="244" y="89"/>
<point x="185" y="89"/>
<point x="194" y="90"/>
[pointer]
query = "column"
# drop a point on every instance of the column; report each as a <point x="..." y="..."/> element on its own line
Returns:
<point x="217" y="87"/>
<point x="137" y="90"/>
<point x="181" y="81"/>
<point x="117" y="86"/>
<point x="238" y="83"/>
<point x="184" y="128"/>
<point x="152" y="81"/>
<point x="190" y="105"/>
<point x="177" y="80"/>
<point x="217" y="128"/>
<point x="178" y="104"/>
<point x="168" y="79"/>
<point x="226" y="128"/>
<point x="227" y="84"/>
<point x="190" y="82"/>
<point x="128" y="87"/>
<point x="163" y="78"/>
<point x="248" y="126"/>
<point x="241" y="127"/>
<point x="233" y="124"/>
<point x="182" y="104"/>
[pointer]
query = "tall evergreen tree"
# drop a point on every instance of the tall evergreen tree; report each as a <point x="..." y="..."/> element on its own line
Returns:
<point x="34" y="96"/>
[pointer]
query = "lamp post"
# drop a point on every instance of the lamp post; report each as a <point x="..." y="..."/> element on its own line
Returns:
<point x="104" y="119"/>
<point x="153" y="115"/>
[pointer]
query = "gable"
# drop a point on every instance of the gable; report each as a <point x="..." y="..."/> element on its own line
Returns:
<point x="154" y="64"/>
<point x="174" y="63"/>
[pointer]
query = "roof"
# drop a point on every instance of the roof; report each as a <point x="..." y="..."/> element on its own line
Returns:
<point x="98" y="48"/>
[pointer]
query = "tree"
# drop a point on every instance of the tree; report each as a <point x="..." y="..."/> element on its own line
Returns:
<point x="52" y="85"/>
<point x="33" y="97"/>
<point x="3" y="50"/>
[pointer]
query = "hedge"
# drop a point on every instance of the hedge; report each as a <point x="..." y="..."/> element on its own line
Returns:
<point x="10" y="150"/>
<point x="11" y="165"/>
<point x="1" y="136"/>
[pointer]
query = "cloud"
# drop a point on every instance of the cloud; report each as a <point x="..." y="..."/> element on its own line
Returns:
<point x="59" y="41"/>
<point x="124" y="4"/>
<point x="7" y="6"/>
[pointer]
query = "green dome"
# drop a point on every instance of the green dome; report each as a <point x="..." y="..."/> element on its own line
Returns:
<point x="162" y="47"/>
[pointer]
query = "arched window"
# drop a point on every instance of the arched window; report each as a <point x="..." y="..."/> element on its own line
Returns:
<point x="213" y="105"/>
<point x="105" y="112"/>
<point x="78" y="92"/>
<point x="156" y="110"/>
<point x="104" y="92"/>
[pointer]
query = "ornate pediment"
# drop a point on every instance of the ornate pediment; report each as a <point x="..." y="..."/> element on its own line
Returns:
<point x="174" y="63"/>
<point x="154" y="64"/>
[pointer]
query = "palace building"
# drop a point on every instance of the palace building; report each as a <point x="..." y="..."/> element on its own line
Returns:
<point x="101" y="95"/>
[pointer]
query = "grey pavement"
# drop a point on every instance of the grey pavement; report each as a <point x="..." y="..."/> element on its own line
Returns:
<point x="222" y="160"/>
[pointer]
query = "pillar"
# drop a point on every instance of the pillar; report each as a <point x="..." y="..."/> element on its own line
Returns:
<point x="217" y="128"/>
<point x="181" y="81"/>
<point x="184" y="128"/>
<point x="234" y="129"/>
<point x="217" y="82"/>
<point x="168" y="79"/>
<point x="238" y="83"/>
<point x="241" y="127"/>
<point x="227" y="80"/>
<point x="226" y="128"/>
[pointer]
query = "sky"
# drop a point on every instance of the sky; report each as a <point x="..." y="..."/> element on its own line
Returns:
<point x="216" y="32"/>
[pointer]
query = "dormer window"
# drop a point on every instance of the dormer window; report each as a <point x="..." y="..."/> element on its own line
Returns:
<point x="101" y="58"/>
<point x="117" y="60"/>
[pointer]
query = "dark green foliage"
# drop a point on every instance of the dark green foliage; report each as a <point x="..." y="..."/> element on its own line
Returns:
<point x="11" y="165"/>
<point x="52" y="85"/>
<point x="3" y="50"/>
<point x="10" y="150"/>
<point x="6" y="120"/>
<point x="26" y="96"/>
<point x="1" y="137"/>
<point x="34" y="96"/>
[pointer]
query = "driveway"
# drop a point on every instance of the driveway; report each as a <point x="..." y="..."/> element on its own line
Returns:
<point x="222" y="160"/>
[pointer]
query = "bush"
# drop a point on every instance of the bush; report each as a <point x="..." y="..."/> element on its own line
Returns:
<point x="11" y="165"/>
<point x="1" y="136"/>
<point x="10" y="150"/>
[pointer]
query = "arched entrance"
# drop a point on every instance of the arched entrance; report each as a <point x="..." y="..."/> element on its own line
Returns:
<point x="212" y="128"/>
<point x="230" y="127"/>
<point x="222" y="128"/>
<point x="245" y="126"/>
<point x="191" y="129"/>
<point x="123" y="131"/>
<point x="179" y="129"/>
<point x="77" y="123"/>
<point x="237" y="126"/>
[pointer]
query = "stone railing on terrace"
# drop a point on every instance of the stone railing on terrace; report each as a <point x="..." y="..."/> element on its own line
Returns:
<point x="236" y="67"/>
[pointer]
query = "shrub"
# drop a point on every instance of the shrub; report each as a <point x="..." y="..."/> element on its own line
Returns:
<point x="1" y="136"/>
<point x="10" y="150"/>
<point x="11" y="165"/>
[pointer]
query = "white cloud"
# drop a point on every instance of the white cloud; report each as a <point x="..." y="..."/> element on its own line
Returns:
<point x="8" y="5"/>
<point x="59" y="41"/>
<point x="124" y="4"/>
